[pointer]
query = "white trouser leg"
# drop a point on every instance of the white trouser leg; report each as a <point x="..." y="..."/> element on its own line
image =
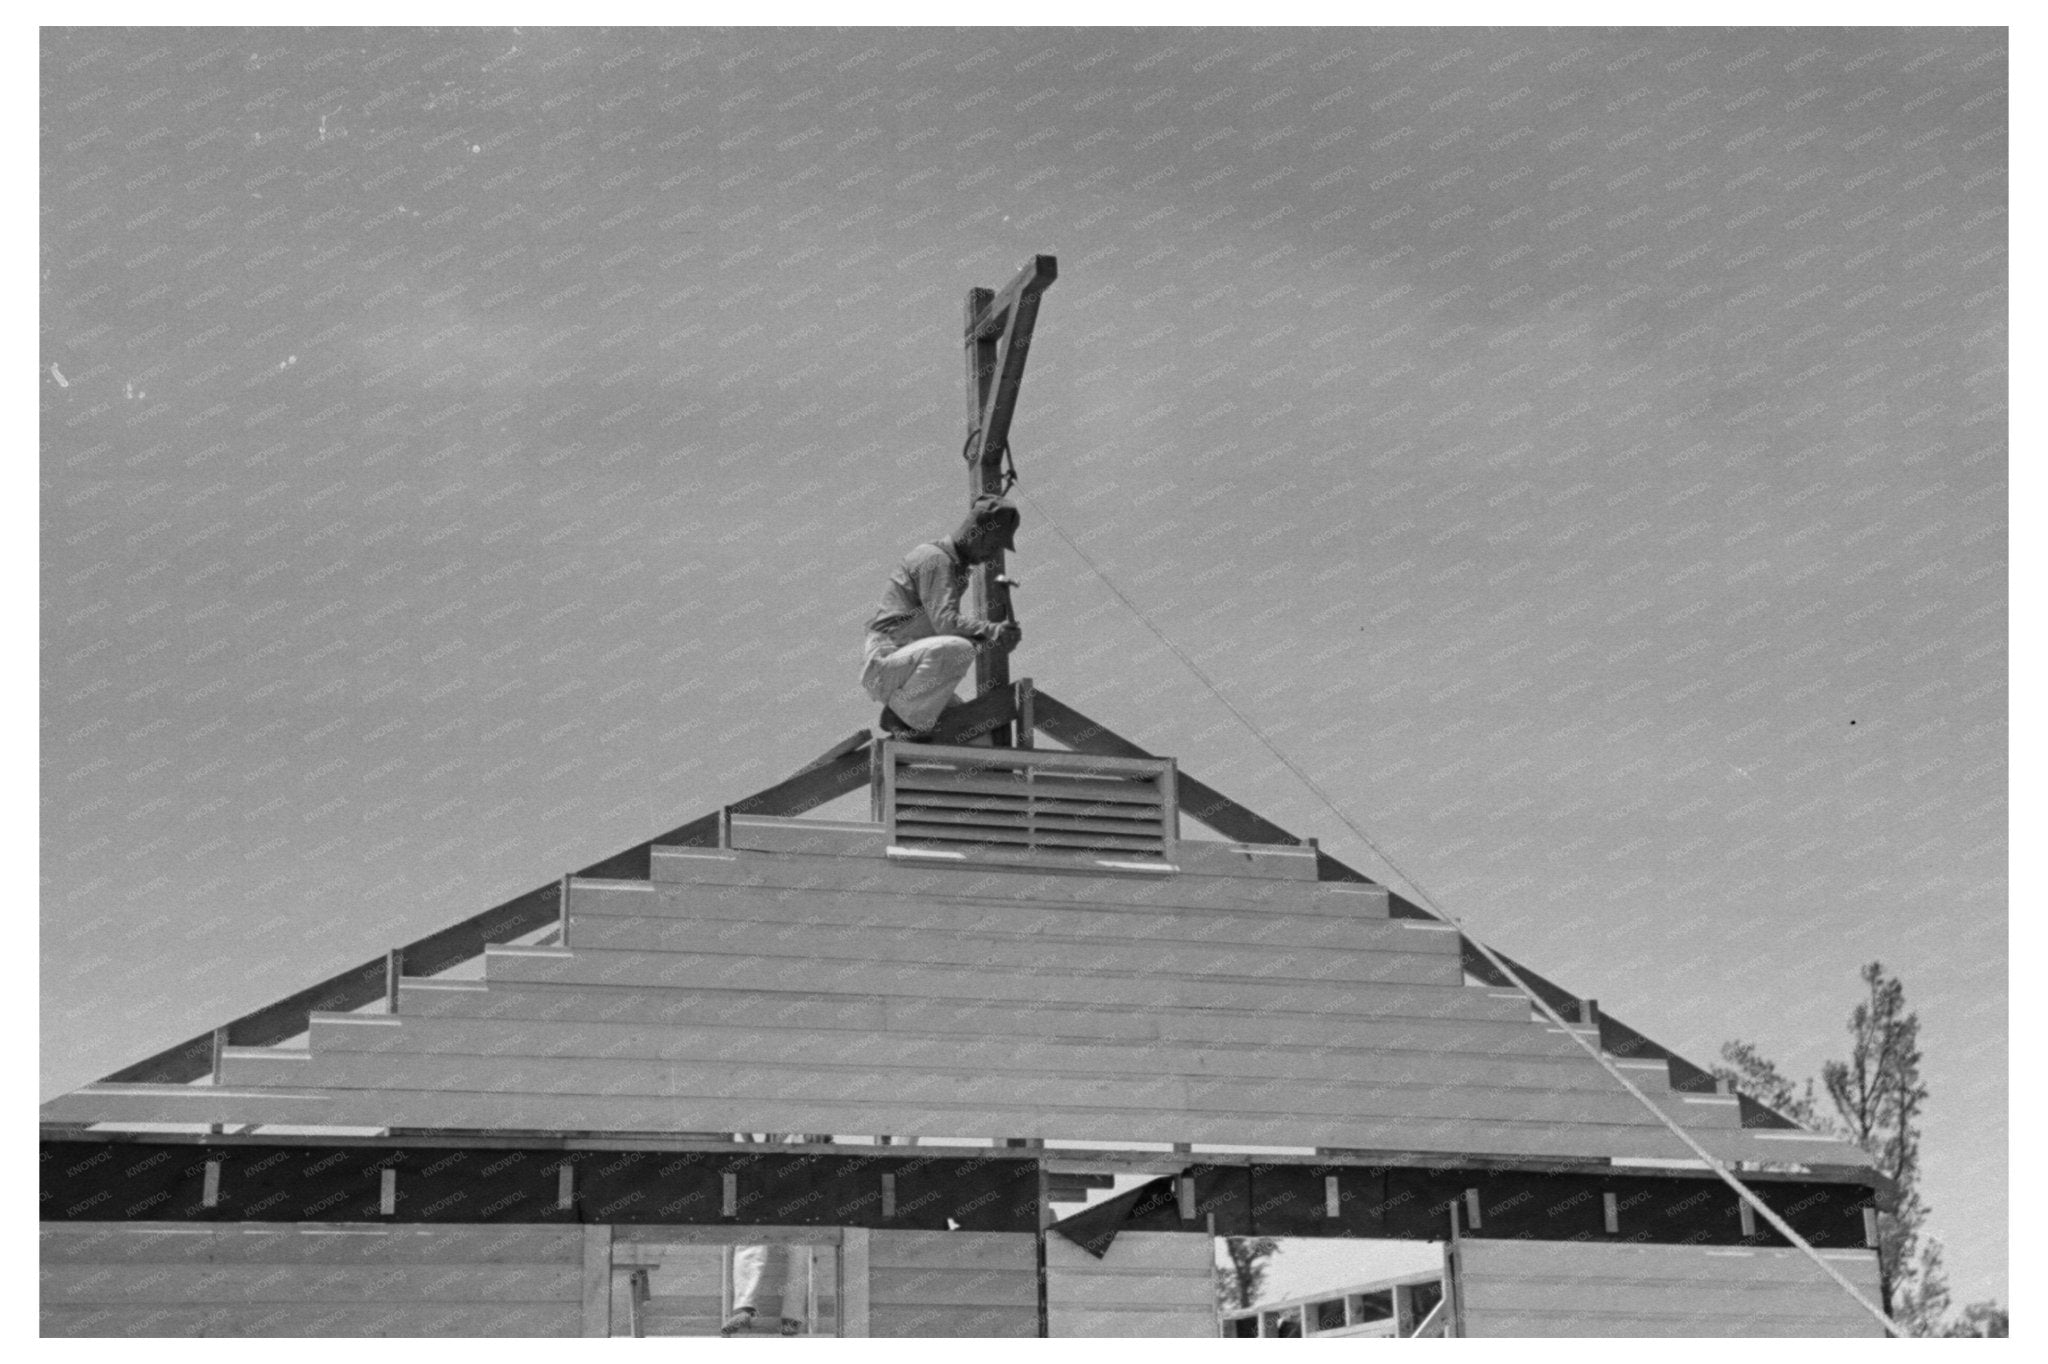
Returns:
<point x="917" y="680"/>
<point x="754" y="1274"/>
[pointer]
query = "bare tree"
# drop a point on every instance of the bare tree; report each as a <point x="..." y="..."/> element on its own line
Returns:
<point x="1877" y="1096"/>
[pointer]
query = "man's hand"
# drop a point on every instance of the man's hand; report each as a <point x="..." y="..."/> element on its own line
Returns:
<point x="1008" y="634"/>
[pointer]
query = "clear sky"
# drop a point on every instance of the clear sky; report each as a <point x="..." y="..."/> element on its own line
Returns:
<point x="468" y="453"/>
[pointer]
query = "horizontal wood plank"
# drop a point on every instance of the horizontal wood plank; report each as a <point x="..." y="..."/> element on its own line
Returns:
<point x="1414" y="958"/>
<point x="1007" y="1286"/>
<point x="715" y="1083"/>
<point x="1071" y="1322"/>
<point x="749" y="1044"/>
<point x="1601" y="1289"/>
<point x="114" y="1243"/>
<point x="1584" y="1321"/>
<point x="1229" y="875"/>
<point x="1506" y="1033"/>
<point x="318" y="1320"/>
<point x="1316" y="923"/>
<point x="429" y="1108"/>
<point x="1141" y="1290"/>
<point x="952" y="1249"/>
<point x="395" y="1284"/>
<point x="925" y="1320"/>
<point x="1067" y="986"/>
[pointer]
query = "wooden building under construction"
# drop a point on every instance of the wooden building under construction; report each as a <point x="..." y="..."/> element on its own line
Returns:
<point x="1020" y="977"/>
<point x="1019" y="950"/>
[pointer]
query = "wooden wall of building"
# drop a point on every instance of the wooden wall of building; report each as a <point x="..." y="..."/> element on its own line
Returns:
<point x="1150" y="1284"/>
<point x="949" y="1283"/>
<point x="255" y="1279"/>
<point x="1557" y="1288"/>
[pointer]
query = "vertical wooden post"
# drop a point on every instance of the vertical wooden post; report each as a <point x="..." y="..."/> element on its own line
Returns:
<point x="562" y="931"/>
<point x="853" y="1283"/>
<point x="636" y="1298"/>
<point x="1044" y="1222"/>
<point x="1027" y="722"/>
<point x="991" y="667"/>
<point x="1454" y="1269"/>
<point x="394" y="968"/>
<point x="597" y="1280"/>
<point x="220" y="1046"/>
<point x="998" y="338"/>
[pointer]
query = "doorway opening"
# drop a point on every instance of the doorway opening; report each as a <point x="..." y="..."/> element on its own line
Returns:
<point x="668" y="1282"/>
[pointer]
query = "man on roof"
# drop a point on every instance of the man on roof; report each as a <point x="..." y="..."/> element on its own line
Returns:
<point x="919" y="645"/>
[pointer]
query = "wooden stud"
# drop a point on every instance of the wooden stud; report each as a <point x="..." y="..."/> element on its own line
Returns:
<point x="220" y="1046"/>
<point x="1748" y="1215"/>
<point x="387" y="1191"/>
<point x="1610" y="1213"/>
<point x="394" y="969"/>
<point x="1454" y="1273"/>
<point x="853" y="1283"/>
<point x="1186" y="1189"/>
<point x="597" y="1280"/>
<point x="729" y="1195"/>
<point x="878" y="763"/>
<point x="888" y="1195"/>
<point x="1870" y="1228"/>
<point x="209" y="1195"/>
<point x="1333" y="1203"/>
<point x="1472" y="1209"/>
<point x="1026" y="723"/>
<point x="565" y="1186"/>
<point x="562" y="933"/>
<point x="1038" y="1249"/>
<point x="636" y="1299"/>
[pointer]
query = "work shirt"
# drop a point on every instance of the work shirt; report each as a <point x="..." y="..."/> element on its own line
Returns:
<point x="923" y="598"/>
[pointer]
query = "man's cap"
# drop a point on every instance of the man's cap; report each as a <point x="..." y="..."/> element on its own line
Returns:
<point x="990" y="510"/>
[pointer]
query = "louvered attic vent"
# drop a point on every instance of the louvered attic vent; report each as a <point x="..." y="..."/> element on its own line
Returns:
<point x="1028" y="803"/>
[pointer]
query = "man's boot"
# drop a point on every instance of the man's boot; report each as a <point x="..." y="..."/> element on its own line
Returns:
<point x="897" y="727"/>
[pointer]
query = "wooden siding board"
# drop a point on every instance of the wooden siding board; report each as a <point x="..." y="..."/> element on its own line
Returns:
<point x="676" y="923"/>
<point x="736" y="971"/>
<point x="1148" y="1284"/>
<point x="575" y="1112"/>
<point x="302" y="1321"/>
<point x="1139" y="1290"/>
<point x="194" y="1279"/>
<point x="248" y="1283"/>
<point x="1001" y="1286"/>
<point x="1506" y="1032"/>
<point x="947" y="1322"/>
<point x="1232" y="876"/>
<point x="937" y="1048"/>
<point x="1594" y="1289"/>
<point x="952" y="1249"/>
<point x="1096" y="1323"/>
<point x="1416" y="959"/>
<point x="718" y="1085"/>
<point x="201" y="1243"/>
<point x="952" y="1283"/>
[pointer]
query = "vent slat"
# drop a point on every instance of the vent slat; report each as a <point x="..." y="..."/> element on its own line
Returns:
<point x="959" y="835"/>
<point x="1007" y="800"/>
<point x="1118" y="789"/>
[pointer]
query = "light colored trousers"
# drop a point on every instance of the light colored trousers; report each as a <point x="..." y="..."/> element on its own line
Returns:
<point x="776" y="1274"/>
<point x="917" y="680"/>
